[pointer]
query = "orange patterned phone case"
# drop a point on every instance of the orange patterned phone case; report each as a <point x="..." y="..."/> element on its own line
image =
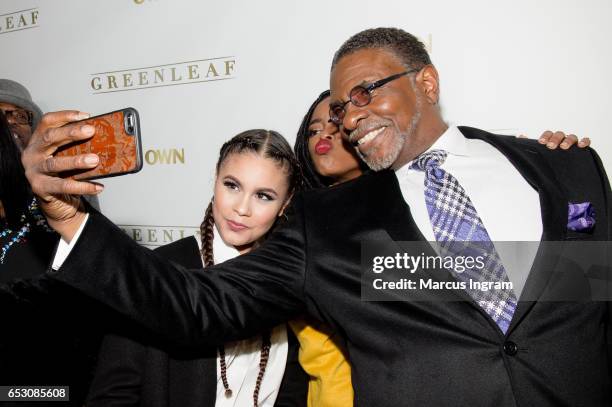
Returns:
<point x="116" y="141"/>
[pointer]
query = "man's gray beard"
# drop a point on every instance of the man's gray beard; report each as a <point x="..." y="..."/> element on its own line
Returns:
<point x="381" y="163"/>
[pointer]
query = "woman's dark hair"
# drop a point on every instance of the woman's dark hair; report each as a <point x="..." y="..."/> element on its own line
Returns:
<point x="15" y="192"/>
<point x="312" y="179"/>
<point x="268" y="144"/>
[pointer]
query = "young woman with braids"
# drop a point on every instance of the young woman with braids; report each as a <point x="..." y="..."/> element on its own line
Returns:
<point x="327" y="159"/>
<point x="256" y="174"/>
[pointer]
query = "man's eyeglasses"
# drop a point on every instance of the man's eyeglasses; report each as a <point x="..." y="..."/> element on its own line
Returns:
<point x="18" y="116"/>
<point x="360" y="96"/>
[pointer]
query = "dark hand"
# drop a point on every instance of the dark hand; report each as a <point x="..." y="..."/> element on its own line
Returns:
<point x="59" y="198"/>
<point x="560" y="139"/>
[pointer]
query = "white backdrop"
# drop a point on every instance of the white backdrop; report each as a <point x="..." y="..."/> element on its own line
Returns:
<point x="521" y="66"/>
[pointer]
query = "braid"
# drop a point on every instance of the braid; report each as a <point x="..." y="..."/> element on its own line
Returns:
<point x="263" y="362"/>
<point x="228" y="391"/>
<point x="207" y="233"/>
<point x="268" y="144"/>
<point x="206" y="236"/>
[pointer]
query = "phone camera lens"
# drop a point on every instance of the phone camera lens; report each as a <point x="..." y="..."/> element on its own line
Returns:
<point x="129" y="123"/>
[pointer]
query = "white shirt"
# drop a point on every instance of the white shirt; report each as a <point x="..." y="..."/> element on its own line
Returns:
<point x="242" y="357"/>
<point x="508" y="206"/>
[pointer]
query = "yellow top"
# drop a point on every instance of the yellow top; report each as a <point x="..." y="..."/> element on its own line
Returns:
<point x="325" y="363"/>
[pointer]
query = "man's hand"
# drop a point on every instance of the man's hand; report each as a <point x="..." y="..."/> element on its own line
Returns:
<point x="59" y="198"/>
<point x="556" y="139"/>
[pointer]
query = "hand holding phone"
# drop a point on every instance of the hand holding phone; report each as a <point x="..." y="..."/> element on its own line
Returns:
<point x="116" y="141"/>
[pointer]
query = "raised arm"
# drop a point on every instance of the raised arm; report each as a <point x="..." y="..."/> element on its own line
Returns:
<point x="233" y="300"/>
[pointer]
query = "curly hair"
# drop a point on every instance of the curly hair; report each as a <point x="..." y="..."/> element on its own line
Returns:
<point x="406" y="47"/>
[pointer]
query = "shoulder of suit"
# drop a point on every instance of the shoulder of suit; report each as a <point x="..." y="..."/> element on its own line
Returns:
<point x="181" y="251"/>
<point x="574" y="153"/>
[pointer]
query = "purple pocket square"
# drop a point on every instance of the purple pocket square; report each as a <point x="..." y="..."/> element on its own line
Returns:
<point x="580" y="217"/>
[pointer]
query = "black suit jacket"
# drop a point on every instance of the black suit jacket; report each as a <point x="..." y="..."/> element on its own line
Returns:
<point x="427" y="353"/>
<point x="137" y="370"/>
<point x="43" y="339"/>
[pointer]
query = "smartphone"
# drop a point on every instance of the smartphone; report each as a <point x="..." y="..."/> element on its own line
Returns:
<point x="116" y="141"/>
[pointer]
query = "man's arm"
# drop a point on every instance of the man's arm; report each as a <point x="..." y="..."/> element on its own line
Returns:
<point x="233" y="300"/>
<point x="230" y="301"/>
<point x="608" y="209"/>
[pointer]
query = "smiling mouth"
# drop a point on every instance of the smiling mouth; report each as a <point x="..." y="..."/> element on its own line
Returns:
<point x="371" y="135"/>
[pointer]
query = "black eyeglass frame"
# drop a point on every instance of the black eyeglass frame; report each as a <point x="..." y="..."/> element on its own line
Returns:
<point x="337" y="118"/>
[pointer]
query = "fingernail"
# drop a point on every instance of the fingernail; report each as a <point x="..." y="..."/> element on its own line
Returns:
<point x="550" y="145"/>
<point x="82" y="115"/>
<point x="564" y="145"/>
<point x="91" y="159"/>
<point x="88" y="130"/>
<point x="99" y="187"/>
<point x="541" y="141"/>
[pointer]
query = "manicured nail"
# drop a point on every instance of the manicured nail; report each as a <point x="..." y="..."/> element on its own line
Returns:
<point x="82" y="115"/>
<point x="564" y="145"/>
<point x="88" y="130"/>
<point x="99" y="187"/>
<point x="91" y="159"/>
<point x="550" y="145"/>
<point x="542" y="141"/>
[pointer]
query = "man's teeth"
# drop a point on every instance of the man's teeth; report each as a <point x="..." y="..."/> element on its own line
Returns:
<point x="370" y="135"/>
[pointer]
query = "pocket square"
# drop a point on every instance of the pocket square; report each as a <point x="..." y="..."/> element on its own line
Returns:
<point x="580" y="217"/>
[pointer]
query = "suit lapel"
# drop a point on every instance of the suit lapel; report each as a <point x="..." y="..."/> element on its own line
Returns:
<point x="553" y="202"/>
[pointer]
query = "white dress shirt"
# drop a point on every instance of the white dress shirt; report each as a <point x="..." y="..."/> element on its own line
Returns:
<point x="242" y="357"/>
<point x="508" y="206"/>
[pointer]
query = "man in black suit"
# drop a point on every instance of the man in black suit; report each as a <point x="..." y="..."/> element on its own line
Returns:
<point x="466" y="351"/>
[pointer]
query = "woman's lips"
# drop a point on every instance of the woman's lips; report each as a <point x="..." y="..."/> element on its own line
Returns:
<point x="235" y="226"/>
<point x="323" y="146"/>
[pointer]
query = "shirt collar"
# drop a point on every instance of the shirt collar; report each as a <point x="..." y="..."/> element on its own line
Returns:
<point x="221" y="250"/>
<point x="452" y="141"/>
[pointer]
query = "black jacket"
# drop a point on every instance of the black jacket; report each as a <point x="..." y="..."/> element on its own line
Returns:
<point x="427" y="353"/>
<point x="44" y="340"/>
<point x="136" y="370"/>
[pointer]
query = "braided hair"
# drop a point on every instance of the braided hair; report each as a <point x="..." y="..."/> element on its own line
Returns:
<point x="268" y="144"/>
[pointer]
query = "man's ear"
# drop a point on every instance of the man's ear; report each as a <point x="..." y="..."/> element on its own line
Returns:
<point x="428" y="82"/>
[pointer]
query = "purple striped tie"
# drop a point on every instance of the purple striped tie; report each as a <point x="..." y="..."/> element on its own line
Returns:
<point x="460" y="233"/>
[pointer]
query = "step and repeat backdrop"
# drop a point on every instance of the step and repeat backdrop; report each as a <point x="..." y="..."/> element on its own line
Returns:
<point x="199" y="72"/>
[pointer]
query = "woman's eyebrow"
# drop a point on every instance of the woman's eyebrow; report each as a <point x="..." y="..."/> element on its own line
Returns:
<point x="313" y="121"/>
<point x="268" y="190"/>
